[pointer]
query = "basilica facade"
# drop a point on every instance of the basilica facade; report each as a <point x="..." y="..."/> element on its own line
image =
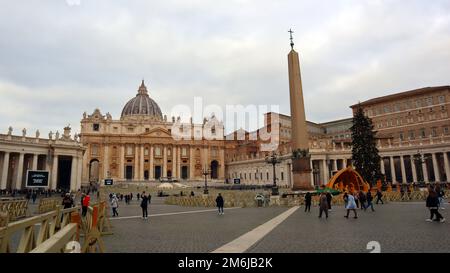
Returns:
<point x="140" y="145"/>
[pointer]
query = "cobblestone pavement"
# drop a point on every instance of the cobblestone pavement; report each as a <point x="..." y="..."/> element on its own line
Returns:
<point x="398" y="227"/>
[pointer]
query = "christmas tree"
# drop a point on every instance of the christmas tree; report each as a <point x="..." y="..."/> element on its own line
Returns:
<point x="365" y="155"/>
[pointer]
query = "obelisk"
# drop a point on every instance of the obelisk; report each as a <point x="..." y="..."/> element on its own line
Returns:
<point x="299" y="135"/>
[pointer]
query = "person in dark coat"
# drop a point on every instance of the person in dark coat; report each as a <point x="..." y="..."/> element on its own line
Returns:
<point x="362" y="200"/>
<point x="144" y="205"/>
<point x="329" y="198"/>
<point x="219" y="203"/>
<point x="379" y="196"/>
<point x="67" y="201"/>
<point x="34" y="196"/>
<point x="369" y="200"/>
<point x="432" y="204"/>
<point x="308" y="198"/>
<point x="323" y="205"/>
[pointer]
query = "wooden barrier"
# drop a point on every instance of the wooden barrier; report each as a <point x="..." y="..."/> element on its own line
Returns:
<point x="58" y="242"/>
<point x="48" y="204"/>
<point x="46" y="224"/>
<point x="16" y="209"/>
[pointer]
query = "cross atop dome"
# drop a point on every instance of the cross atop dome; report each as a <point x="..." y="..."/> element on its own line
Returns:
<point x="142" y="88"/>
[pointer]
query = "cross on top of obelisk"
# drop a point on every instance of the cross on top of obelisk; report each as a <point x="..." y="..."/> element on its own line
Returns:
<point x="292" y="39"/>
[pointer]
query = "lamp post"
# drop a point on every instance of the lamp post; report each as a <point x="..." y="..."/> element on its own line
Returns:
<point x="205" y="172"/>
<point x="419" y="159"/>
<point x="274" y="159"/>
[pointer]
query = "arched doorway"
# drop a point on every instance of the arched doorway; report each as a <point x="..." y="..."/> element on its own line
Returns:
<point x="214" y="169"/>
<point x="94" y="170"/>
<point x="184" y="172"/>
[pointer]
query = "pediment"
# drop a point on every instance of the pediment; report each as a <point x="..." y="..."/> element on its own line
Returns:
<point x="158" y="132"/>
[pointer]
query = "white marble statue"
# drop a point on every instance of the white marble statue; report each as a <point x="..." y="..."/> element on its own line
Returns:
<point x="50" y="135"/>
<point x="10" y="129"/>
<point x="84" y="115"/>
<point x="24" y="132"/>
<point x="37" y="133"/>
<point x="57" y="135"/>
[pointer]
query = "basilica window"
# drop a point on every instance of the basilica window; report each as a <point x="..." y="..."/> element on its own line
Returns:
<point x="184" y="152"/>
<point x="157" y="151"/>
<point x="96" y="127"/>
<point x="282" y="175"/>
<point x="213" y="130"/>
<point x="169" y="152"/>
<point x="94" y="150"/>
<point x="129" y="150"/>
<point x="146" y="151"/>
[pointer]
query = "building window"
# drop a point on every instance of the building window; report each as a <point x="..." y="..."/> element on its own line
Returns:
<point x="213" y="130"/>
<point x="411" y="135"/>
<point x="146" y="151"/>
<point x="282" y="176"/>
<point x="96" y="127"/>
<point x="422" y="133"/>
<point x="94" y="150"/>
<point x="446" y="130"/>
<point x="157" y="151"/>
<point x="441" y="99"/>
<point x="147" y="130"/>
<point x="184" y="151"/>
<point x="430" y="101"/>
<point x="434" y="132"/>
<point x="418" y="103"/>
<point x="130" y="130"/>
<point x="397" y="108"/>
<point x="401" y="136"/>
<point x="245" y="176"/>
<point x="129" y="150"/>
<point x="267" y="176"/>
<point x="444" y="115"/>
<point x="387" y="109"/>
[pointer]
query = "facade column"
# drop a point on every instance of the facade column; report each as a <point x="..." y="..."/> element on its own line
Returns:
<point x="335" y="168"/>
<point x="136" y="163"/>
<point x="394" y="179"/>
<point x="35" y="162"/>
<point x="413" y="168"/>
<point x="106" y="172"/>
<point x="425" y="171"/>
<point x="73" y="173"/>
<point x="151" y="176"/>
<point x="5" y="171"/>
<point x="122" y="162"/>
<point x="191" y="163"/>
<point x="437" y="175"/>
<point x="325" y="172"/>
<point x="19" y="172"/>
<point x="446" y="166"/>
<point x="141" y="165"/>
<point x="222" y="164"/>
<point x="79" y="172"/>
<point x="179" y="162"/>
<point x="174" y="162"/>
<point x="54" y="172"/>
<point x="383" y="171"/>
<point x="165" y="162"/>
<point x="402" y="166"/>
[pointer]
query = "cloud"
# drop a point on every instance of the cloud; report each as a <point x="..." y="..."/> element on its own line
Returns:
<point x="59" y="60"/>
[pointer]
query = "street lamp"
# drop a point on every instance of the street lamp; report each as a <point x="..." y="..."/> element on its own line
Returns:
<point x="419" y="159"/>
<point x="206" y="172"/>
<point x="274" y="159"/>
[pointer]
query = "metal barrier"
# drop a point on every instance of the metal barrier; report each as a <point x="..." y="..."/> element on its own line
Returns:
<point x="46" y="225"/>
<point x="16" y="209"/>
<point x="48" y="204"/>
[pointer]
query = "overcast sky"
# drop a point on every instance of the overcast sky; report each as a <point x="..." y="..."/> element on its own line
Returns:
<point x="59" y="58"/>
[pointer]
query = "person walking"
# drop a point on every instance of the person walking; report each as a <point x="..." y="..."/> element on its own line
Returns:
<point x="67" y="201"/>
<point x="144" y="205"/>
<point x="362" y="200"/>
<point x="329" y="198"/>
<point x="432" y="204"/>
<point x="308" y="198"/>
<point x="351" y="205"/>
<point x="440" y="192"/>
<point x="114" y="205"/>
<point x="34" y="196"/>
<point x="85" y="203"/>
<point x="323" y="205"/>
<point x="219" y="203"/>
<point x="379" y="197"/>
<point x="369" y="200"/>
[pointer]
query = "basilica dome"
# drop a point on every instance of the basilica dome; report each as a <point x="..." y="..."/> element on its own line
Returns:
<point x="142" y="105"/>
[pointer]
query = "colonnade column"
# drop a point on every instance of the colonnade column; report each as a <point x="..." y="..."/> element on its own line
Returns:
<point x="394" y="179"/>
<point x="383" y="171"/>
<point x="413" y="168"/>
<point x="136" y="161"/>
<point x="54" y="172"/>
<point x="424" y="170"/>
<point x="35" y="162"/>
<point x="222" y="164"/>
<point x="19" y="172"/>
<point x="446" y="166"/>
<point x="437" y="175"/>
<point x="73" y="173"/>
<point x="79" y="172"/>
<point x="5" y="171"/>
<point x="325" y="172"/>
<point x="179" y="161"/>
<point x="402" y="166"/>
<point x="191" y="163"/>
<point x="335" y="168"/>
